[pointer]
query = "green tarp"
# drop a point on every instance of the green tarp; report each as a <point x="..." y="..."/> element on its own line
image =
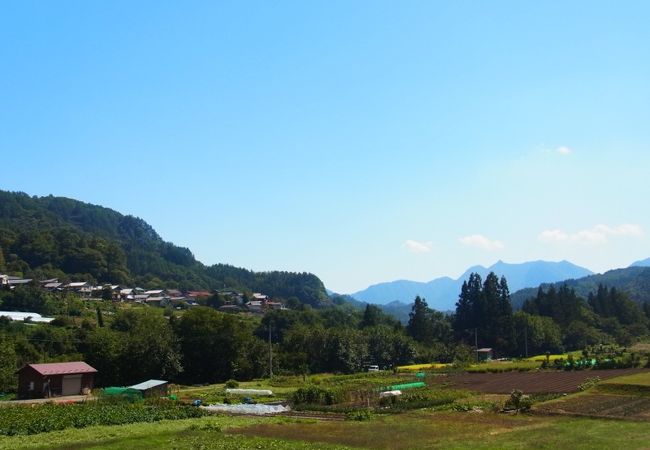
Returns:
<point x="115" y="391"/>
<point x="401" y="387"/>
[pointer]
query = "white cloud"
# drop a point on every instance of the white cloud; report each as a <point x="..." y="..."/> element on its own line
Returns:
<point x="480" y="241"/>
<point x="597" y="234"/>
<point x="562" y="150"/>
<point x="626" y="229"/>
<point x="417" y="246"/>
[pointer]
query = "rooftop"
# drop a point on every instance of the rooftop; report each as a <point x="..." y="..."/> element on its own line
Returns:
<point x="63" y="368"/>
<point x="148" y="384"/>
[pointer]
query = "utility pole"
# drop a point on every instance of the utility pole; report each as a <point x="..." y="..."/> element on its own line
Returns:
<point x="270" y="353"/>
<point x="476" y="342"/>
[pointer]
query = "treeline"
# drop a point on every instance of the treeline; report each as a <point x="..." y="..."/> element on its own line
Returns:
<point x="201" y="345"/>
<point x="555" y="320"/>
<point x="55" y="237"/>
<point x="606" y="316"/>
<point x="130" y="343"/>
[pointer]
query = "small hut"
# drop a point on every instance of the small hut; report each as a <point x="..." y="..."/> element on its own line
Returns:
<point x="152" y="388"/>
<point x="485" y="354"/>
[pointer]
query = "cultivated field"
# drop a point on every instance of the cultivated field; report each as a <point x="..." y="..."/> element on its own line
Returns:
<point x="552" y="381"/>
<point x="414" y="430"/>
<point x="449" y="411"/>
<point x="625" y="397"/>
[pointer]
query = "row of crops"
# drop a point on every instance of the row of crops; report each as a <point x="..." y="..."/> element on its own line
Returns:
<point x="35" y="419"/>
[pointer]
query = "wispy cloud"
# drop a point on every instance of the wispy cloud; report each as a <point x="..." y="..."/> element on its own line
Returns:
<point x="417" y="246"/>
<point x="482" y="242"/>
<point x="562" y="150"/>
<point x="594" y="235"/>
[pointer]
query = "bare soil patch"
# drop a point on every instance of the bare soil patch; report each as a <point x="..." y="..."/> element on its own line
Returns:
<point x="529" y="382"/>
<point x="600" y="405"/>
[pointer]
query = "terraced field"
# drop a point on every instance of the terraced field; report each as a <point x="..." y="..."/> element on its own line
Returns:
<point x="600" y="405"/>
<point x="626" y="397"/>
<point x="531" y="382"/>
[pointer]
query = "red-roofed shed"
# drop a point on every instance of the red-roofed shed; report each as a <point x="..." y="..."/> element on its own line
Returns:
<point x="45" y="380"/>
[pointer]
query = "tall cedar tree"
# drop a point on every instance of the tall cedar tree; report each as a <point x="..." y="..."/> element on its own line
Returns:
<point x="419" y="325"/>
<point x="484" y="311"/>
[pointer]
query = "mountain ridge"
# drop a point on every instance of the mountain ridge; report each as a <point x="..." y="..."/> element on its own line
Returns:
<point x="58" y="237"/>
<point x="635" y="281"/>
<point x="441" y="293"/>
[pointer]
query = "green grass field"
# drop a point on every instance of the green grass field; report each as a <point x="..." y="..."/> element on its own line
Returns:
<point x="639" y="379"/>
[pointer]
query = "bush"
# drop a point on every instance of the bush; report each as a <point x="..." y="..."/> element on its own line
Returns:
<point x="589" y="383"/>
<point x="359" y="415"/>
<point x="518" y="401"/>
<point x="232" y="384"/>
<point x="317" y="395"/>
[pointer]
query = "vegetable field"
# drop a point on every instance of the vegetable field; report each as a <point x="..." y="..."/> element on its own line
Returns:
<point x="49" y="417"/>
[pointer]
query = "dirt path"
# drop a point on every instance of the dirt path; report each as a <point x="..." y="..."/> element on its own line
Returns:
<point x="35" y="401"/>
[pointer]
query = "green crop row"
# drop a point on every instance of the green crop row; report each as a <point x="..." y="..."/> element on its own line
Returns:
<point x="47" y="417"/>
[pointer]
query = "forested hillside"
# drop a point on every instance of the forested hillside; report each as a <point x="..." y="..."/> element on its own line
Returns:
<point x="635" y="281"/>
<point x="56" y="237"/>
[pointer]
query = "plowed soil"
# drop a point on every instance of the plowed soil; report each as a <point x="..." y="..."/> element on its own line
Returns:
<point x="530" y="382"/>
<point x="600" y="405"/>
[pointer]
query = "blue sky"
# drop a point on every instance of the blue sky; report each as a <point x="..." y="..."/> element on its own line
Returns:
<point x="360" y="141"/>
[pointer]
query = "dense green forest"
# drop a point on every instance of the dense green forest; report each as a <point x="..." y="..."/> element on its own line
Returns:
<point x="56" y="237"/>
<point x="634" y="281"/>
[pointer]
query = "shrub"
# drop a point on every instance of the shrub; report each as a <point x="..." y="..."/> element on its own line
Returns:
<point x="359" y="415"/>
<point x="589" y="383"/>
<point x="316" y="395"/>
<point x="518" y="401"/>
<point x="232" y="384"/>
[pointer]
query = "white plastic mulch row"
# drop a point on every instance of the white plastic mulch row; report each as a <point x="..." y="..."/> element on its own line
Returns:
<point x="249" y="392"/>
<point x="257" y="409"/>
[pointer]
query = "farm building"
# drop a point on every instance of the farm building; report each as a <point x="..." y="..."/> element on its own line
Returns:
<point x="485" y="354"/>
<point x="55" y="379"/>
<point x="152" y="388"/>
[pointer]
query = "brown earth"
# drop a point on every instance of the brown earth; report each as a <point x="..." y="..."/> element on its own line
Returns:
<point x="600" y="405"/>
<point x="533" y="382"/>
<point x="401" y="432"/>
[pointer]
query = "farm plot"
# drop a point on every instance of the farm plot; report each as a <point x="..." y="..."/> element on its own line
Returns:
<point x="625" y="397"/>
<point x="529" y="382"/>
<point x="600" y="405"/>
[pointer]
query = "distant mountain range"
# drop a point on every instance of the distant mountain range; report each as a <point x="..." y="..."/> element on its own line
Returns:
<point x="442" y="293"/>
<point x="642" y="263"/>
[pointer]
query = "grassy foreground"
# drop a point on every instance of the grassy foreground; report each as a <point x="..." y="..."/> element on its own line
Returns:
<point x="422" y="430"/>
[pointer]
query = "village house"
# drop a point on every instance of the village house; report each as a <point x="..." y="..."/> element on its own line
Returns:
<point x="10" y="282"/>
<point x="82" y="288"/>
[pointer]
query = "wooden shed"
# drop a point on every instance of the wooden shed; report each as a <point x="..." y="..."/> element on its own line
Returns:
<point x="485" y="354"/>
<point x="55" y="379"/>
